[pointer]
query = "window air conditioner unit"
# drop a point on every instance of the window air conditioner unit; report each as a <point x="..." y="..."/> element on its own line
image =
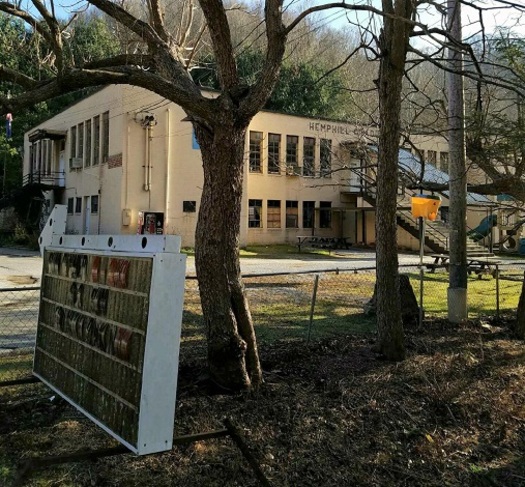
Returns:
<point x="291" y="171"/>
<point x="75" y="162"/>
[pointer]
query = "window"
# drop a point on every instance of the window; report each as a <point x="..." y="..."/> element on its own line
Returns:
<point x="105" y="136"/>
<point x="273" y="216"/>
<point x="443" y="161"/>
<point x="78" y="205"/>
<point x="73" y="143"/>
<point x="325" y="215"/>
<point x="308" y="156"/>
<point x="50" y="147"/>
<point x="292" y="214"/>
<point x="80" y="152"/>
<point x="96" y="140"/>
<point x="94" y="204"/>
<point x="292" y="147"/>
<point x="189" y="206"/>
<point x="88" y="143"/>
<point x="274" y="149"/>
<point x="254" y="213"/>
<point x="432" y="157"/>
<point x="70" y="204"/>
<point x="326" y="157"/>
<point x="255" y="151"/>
<point x="308" y="214"/>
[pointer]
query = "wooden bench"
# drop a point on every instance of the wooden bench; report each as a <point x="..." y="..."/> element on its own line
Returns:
<point x="322" y="242"/>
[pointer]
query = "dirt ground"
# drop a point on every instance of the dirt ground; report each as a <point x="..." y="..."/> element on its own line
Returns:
<point x="333" y="414"/>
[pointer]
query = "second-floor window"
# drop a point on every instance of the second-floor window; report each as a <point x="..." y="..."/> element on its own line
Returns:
<point x="326" y="157"/>
<point x="80" y="151"/>
<point x="432" y="157"/>
<point x="292" y="148"/>
<point x="274" y="149"/>
<point x="105" y="136"/>
<point x="96" y="140"/>
<point x="88" y="143"/>
<point x="73" y="142"/>
<point x="256" y="151"/>
<point x="308" y="156"/>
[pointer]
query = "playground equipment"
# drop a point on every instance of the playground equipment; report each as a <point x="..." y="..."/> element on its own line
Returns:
<point x="484" y="228"/>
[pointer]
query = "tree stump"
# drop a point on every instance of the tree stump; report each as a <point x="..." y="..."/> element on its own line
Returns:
<point x="407" y="298"/>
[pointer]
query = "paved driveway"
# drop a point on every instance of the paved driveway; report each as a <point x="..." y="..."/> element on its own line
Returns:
<point x="21" y="268"/>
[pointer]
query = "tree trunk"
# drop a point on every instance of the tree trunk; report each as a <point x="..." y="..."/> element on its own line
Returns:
<point x="407" y="300"/>
<point x="233" y="359"/>
<point x="393" y="45"/>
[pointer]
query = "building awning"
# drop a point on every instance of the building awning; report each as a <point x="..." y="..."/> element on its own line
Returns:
<point x="41" y="134"/>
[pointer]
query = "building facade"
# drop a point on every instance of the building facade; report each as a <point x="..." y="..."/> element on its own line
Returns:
<point x="125" y="160"/>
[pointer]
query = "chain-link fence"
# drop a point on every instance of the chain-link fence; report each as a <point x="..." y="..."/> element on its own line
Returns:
<point x="286" y="306"/>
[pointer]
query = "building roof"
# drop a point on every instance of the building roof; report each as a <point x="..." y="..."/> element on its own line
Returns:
<point x="410" y="165"/>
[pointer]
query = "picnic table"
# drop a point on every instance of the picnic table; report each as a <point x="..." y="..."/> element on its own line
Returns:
<point x="479" y="263"/>
<point x="323" y="242"/>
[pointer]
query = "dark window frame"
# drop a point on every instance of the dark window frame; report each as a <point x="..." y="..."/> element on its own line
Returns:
<point x="256" y="220"/>
<point x="255" y="154"/>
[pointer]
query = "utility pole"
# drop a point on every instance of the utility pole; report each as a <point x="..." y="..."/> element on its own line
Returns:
<point x="457" y="291"/>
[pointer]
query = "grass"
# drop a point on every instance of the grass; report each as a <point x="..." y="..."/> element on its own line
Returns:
<point x="281" y="251"/>
<point x="481" y="294"/>
<point x="15" y="366"/>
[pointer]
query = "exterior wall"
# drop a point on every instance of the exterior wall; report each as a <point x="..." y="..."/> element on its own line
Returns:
<point x="154" y="164"/>
<point x="95" y="180"/>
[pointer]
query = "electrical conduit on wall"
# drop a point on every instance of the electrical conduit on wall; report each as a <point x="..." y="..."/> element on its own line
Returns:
<point x="168" y="170"/>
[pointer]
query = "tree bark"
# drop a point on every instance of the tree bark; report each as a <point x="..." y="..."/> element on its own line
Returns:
<point x="233" y="358"/>
<point x="393" y="43"/>
<point x="407" y="299"/>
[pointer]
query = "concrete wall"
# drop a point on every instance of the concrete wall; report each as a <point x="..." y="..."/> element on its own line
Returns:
<point x="157" y="167"/>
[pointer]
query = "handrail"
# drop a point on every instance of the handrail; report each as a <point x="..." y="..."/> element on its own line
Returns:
<point x="38" y="177"/>
<point x="408" y="216"/>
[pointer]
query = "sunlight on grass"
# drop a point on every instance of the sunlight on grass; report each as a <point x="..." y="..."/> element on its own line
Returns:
<point x="481" y="294"/>
<point x="15" y="366"/>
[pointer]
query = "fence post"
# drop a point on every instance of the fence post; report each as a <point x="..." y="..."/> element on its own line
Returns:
<point x="497" y="290"/>
<point x="312" y="308"/>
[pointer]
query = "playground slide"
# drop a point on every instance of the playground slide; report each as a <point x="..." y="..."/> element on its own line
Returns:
<point x="484" y="227"/>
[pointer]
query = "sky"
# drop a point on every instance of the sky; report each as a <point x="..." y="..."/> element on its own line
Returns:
<point x="493" y="19"/>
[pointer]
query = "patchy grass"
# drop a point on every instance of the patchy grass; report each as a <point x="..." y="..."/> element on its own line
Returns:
<point x="15" y="366"/>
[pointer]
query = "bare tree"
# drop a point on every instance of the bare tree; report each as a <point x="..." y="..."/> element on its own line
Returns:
<point x="161" y="65"/>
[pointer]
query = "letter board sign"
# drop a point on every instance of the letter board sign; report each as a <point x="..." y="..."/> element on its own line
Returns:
<point x="109" y="332"/>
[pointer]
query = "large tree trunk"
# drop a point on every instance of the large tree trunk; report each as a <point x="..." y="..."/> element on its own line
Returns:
<point x="233" y="359"/>
<point x="393" y="44"/>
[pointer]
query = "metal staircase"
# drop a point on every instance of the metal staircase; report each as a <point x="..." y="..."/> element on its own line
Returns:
<point x="436" y="232"/>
